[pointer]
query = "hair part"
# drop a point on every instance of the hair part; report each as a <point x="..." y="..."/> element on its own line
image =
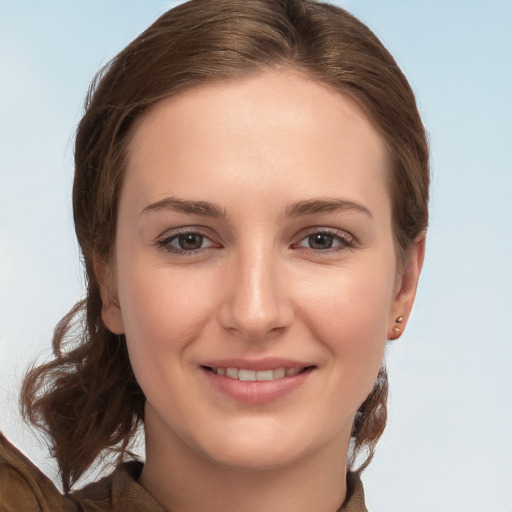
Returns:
<point x="87" y="398"/>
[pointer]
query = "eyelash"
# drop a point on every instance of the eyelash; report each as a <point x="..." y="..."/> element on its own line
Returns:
<point x="165" y="243"/>
<point x="345" y="241"/>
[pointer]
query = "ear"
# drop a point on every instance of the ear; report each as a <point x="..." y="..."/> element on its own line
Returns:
<point x="110" y="308"/>
<point x="405" y="289"/>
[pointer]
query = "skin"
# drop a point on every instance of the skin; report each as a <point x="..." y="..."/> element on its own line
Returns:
<point x="259" y="149"/>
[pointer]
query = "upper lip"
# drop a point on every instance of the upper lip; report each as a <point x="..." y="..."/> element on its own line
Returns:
<point x="267" y="363"/>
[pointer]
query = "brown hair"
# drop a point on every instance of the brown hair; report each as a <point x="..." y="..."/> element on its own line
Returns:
<point x="87" y="398"/>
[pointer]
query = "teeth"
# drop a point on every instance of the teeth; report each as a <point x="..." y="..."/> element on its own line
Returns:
<point x="232" y="373"/>
<point x="246" y="375"/>
<point x="265" y="375"/>
<point x="279" y="373"/>
<point x="252" y="375"/>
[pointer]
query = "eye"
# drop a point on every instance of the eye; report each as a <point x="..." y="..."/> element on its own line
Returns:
<point x="327" y="240"/>
<point x="188" y="242"/>
<point x="320" y="241"/>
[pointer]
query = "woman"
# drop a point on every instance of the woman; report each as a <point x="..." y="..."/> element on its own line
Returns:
<point x="250" y="199"/>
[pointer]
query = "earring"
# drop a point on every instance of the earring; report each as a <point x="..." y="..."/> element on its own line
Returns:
<point x="396" y="329"/>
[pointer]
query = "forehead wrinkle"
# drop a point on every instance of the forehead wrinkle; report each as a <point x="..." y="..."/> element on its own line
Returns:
<point x="175" y="204"/>
<point x="320" y="205"/>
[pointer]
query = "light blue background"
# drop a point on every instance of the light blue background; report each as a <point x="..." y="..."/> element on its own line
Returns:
<point x="448" y="445"/>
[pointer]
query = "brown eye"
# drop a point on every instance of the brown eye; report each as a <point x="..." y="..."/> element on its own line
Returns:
<point x="319" y="241"/>
<point x="188" y="241"/>
<point x="327" y="241"/>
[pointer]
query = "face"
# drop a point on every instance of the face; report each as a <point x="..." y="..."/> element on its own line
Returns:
<point x="255" y="269"/>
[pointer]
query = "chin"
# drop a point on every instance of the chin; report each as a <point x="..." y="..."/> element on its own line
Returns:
<point x="264" y="447"/>
<point x="255" y="457"/>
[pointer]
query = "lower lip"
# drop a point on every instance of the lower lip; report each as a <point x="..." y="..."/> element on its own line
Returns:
<point x="256" y="392"/>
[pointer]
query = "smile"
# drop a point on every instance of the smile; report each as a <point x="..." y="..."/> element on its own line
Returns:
<point x="256" y="376"/>
<point x="256" y="382"/>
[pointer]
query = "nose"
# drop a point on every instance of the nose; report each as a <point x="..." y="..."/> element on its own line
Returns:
<point x="257" y="303"/>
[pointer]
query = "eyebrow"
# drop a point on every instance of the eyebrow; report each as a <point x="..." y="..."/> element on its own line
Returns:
<point x="320" y="205"/>
<point x="203" y="208"/>
<point x="307" y="207"/>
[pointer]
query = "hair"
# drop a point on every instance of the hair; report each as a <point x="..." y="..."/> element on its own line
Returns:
<point x="87" y="399"/>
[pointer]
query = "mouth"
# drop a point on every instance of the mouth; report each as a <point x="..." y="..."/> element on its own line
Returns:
<point x="247" y="375"/>
<point x="257" y="381"/>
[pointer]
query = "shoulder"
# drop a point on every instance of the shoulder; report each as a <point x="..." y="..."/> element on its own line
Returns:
<point x="24" y="488"/>
<point x="119" y="491"/>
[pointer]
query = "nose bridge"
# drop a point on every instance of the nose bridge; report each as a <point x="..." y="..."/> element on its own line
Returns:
<point x="256" y="304"/>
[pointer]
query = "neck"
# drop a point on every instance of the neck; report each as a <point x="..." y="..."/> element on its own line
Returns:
<point x="182" y="480"/>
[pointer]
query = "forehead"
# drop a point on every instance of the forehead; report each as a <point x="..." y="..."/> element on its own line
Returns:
<point x="273" y="132"/>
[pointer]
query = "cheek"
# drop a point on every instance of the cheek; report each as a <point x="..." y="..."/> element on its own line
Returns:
<point x="356" y="300"/>
<point x="349" y="313"/>
<point x="163" y="310"/>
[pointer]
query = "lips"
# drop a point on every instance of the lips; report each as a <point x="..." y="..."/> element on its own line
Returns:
<point x="256" y="382"/>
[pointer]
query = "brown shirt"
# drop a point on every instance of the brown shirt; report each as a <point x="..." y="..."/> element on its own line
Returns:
<point x="23" y="488"/>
